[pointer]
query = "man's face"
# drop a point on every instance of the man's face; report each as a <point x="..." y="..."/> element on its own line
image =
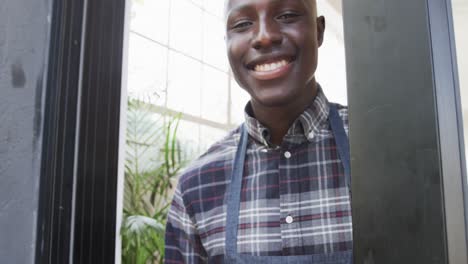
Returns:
<point x="272" y="47"/>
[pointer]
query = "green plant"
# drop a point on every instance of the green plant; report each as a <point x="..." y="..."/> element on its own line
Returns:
<point x="153" y="160"/>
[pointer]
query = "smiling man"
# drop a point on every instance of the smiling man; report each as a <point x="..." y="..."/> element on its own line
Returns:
<point x="276" y="189"/>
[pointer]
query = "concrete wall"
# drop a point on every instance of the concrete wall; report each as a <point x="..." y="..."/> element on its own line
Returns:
<point x="24" y="34"/>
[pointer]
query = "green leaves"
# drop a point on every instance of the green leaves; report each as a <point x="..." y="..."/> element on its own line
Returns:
<point x="141" y="235"/>
<point x="153" y="160"/>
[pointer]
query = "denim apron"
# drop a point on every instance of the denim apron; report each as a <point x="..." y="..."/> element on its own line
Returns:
<point x="233" y="204"/>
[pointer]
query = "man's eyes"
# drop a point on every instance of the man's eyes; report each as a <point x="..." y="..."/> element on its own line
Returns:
<point x="241" y="25"/>
<point x="286" y="17"/>
<point x="289" y="16"/>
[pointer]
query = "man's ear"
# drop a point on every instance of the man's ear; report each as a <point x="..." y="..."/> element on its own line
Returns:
<point x="320" y="29"/>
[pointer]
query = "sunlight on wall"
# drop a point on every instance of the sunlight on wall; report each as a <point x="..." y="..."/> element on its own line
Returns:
<point x="460" y="19"/>
<point x="331" y="72"/>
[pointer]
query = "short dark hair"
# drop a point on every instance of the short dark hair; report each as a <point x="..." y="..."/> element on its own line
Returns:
<point x="313" y="1"/>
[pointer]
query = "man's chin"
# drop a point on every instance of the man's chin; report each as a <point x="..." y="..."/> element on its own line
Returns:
<point x="274" y="101"/>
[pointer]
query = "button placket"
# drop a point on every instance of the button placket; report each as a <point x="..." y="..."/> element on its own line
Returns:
<point x="289" y="221"/>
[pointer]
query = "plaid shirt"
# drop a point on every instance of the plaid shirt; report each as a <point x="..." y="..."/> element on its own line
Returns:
<point x="294" y="200"/>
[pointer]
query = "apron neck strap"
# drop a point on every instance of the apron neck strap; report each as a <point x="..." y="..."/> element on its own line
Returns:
<point x="233" y="196"/>
<point x="342" y="142"/>
<point x="234" y="189"/>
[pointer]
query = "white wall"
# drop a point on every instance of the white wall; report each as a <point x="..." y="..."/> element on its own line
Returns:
<point x="331" y="71"/>
<point x="460" y="17"/>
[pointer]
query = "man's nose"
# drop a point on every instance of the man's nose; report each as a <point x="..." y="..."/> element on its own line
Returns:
<point x="267" y="34"/>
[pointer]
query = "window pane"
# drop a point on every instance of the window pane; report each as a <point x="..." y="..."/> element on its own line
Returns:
<point x="186" y="28"/>
<point x="215" y="95"/>
<point x="189" y="138"/>
<point x="145" y="136"/>
<point x="216" y="7"/>
<point x="147" y="70"/>
<point x="183" y="92"/>
<point x="214" y="47"/>
<point x="151" y="18"/>
<point x="210" y="136"/>
<point x="198" y="3"/>
<point x="239" y="99"/>
<point x="331" y="71"/>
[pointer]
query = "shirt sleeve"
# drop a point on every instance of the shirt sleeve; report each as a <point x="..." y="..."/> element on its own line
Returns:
<point x="183" y="244"/>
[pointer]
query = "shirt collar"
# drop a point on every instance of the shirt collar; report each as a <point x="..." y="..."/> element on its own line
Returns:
<point x="305" y="127"/>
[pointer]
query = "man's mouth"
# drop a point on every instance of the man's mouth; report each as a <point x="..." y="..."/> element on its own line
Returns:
<point x="271" y="69"/>
<point x="270" y="66"/>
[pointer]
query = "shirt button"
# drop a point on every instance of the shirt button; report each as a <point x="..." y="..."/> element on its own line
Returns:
<point x="289" y="219"/>
<point x="287" y="154"/>
<point x="311" y="135"/>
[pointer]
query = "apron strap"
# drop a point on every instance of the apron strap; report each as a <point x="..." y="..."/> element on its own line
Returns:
<point x="233" y="197"/>
<point x="342" y="142"/>
<point x="234" y="189"/>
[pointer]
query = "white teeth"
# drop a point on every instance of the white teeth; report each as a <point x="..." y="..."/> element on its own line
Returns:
<point x="270" y="66"/>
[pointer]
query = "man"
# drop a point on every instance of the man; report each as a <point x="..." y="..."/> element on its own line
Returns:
<point x="275" y="190"/>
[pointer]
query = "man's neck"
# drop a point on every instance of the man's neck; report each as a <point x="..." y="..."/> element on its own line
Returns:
<point x="278" y="119"/>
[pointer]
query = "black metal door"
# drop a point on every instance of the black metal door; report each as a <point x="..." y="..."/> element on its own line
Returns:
<point x="408" y="175"/>
<point x="78" y="192"/>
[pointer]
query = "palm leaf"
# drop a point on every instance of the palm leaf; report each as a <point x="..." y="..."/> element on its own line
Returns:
<point x="153" y="158"/>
